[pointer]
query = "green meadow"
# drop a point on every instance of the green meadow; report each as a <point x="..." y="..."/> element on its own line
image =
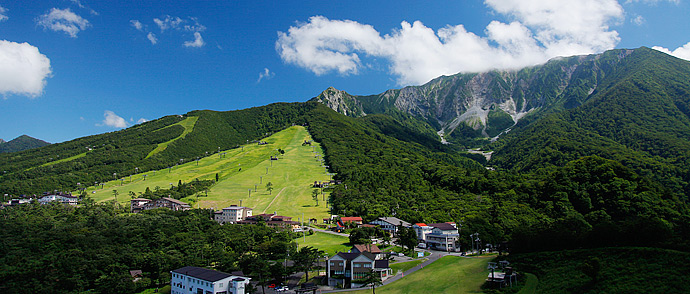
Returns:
<point x="243" y="174"/>
<point x="449" y="274"/>
<point x="329" y="243"/>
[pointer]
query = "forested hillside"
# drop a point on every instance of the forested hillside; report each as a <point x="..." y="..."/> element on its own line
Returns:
<point x="118" y="154"/>
<point x="21" y="143"/>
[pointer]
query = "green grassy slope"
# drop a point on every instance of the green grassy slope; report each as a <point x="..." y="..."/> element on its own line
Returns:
<point x="450" y="274"/>
<point x="292" y="177"/>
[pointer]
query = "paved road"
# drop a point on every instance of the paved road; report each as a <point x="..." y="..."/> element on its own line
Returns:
<point x="329" y="232"/>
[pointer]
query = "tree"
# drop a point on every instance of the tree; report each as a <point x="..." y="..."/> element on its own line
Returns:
<point x="305" y="259"/>
<point x="115" y="193"/>
<point x="372" y="278"/>
<point x="407" y="237"/>
<point x="269" y="187"/>
<point x="315" y="196"/>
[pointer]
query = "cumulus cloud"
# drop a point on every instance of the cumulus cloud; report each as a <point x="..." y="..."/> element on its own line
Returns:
<point x="152" y="38"/>
<point x="168" y="22"/>
<point x="266" y="74"/>
<point x="110" y="119"/>
<point x="638" y="20"/>
<point x="538" y="30"/>
<point x="142" y="120"/>
<point x="23" y="69"/>
<point x="63" y="20"/>
<point x="197" y="42"/>
<point x="680" y="52"/>
<point x="137" y="24"/>
<point x="3" y="14"/>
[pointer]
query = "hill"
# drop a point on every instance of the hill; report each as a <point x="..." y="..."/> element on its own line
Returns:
<point x="242" y="177"/>
<point x="21" y="143"/>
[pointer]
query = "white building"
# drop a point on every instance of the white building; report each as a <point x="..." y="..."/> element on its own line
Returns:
<point x="60" y="198"/>
<point x="422" y="230"/>
<point x="390" y="224"/>
<point x="197" y="280"/>
<point x="443" y="236"/>
<point x="232" y="214"/>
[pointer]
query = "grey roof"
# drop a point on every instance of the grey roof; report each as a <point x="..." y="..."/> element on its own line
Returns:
<point x="202" y="273"/>
<point x="443" y="226"/>
<point x="394" y="221"/>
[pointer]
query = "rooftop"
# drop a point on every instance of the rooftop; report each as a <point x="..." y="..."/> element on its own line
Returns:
<point x="202" y="273"/>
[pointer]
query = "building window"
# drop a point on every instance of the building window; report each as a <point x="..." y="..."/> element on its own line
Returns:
<point x="358" y="265"/>
<point x="220" y="285"/>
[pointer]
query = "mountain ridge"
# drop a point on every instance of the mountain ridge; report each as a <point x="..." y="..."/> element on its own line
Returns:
<point x="21" y="143"/>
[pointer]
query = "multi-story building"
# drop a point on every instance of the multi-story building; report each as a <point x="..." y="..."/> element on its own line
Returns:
<point x="348" y="269"/>
<point x="443" y="236"/>
<point x="139" y="204"/>
<point x="232" y="214"/>
<point x="422" y="230"/>
<point x="197" y="280"/>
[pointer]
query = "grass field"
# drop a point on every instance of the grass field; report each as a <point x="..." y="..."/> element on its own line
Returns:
<point x="329" y="243"/>
<point x="450" y="274"/>
<point x="403" y="266"/>
<point x="243" y="174"/>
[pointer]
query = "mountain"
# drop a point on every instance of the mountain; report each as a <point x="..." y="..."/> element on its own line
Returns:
<point x="487" y="104"/>
<point x="21" y="143"/>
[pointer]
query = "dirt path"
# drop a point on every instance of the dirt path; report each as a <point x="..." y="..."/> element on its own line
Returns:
<point x="274" y="200"/>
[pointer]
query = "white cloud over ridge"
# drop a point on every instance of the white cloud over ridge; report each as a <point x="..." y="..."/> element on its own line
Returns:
<point x="23" y="69"/>
<point x="111" y="119"/>
<point x="63" y="20"/>
<point x="680" y="52"/>
<point x="539" y="30"/>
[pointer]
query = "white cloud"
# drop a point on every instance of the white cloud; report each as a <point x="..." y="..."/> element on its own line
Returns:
<point x="23" y="69"/>
<point x="638" y="20"/>
<point x="82" y="6"/>
<point x="152" y="38"/>
<point x="111" y="119"/>
<point x="137" y="24"/>
<point x="63" y="20"/>
<point x="540" y="30"/>
<point x="198" y="41"/>
<point x="142" y="120"/>
<point x="3" y="14"/>
<point x="168" y="22"/>
<point x="266" y="74"/>
<point x="680" y="52"/>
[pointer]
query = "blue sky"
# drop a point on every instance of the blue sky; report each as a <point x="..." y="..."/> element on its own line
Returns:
<point x="72" y="68"/>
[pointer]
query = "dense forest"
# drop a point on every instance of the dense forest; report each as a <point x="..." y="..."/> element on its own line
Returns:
<point x="21" y="143"/>
<point x="64" y="249"/>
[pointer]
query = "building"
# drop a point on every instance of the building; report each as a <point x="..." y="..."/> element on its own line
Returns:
<point x="195" y="280"/>
<point x="443" y="236"/>
<point x="167" y="202"/>
<point x="140" y="204"/>
<point x="422" y="230"/>
<point x="346" y="269"/>
<point x="271" y="219"/>
<point x="351" y="219"/>
<point x="390" y="224"/>
<point x="137" y="205"/>
<point x="232" y="214"/>
<point x="369" y="248"/>
<point x="64" y="198"/>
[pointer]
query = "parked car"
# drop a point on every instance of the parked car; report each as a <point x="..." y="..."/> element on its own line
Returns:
<point x="422" y="245"/>
<point x="282" y="288"/>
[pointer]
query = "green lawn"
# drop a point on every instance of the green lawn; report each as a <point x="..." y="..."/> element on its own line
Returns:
<point x="450" y="274"/>
<point x="329" y="243"/>
<point x="531" y="284"/>
<point x="241" y="170"/>
<point x="403" y="266"/>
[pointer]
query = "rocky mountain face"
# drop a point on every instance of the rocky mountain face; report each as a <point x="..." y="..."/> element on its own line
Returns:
<point x="492" y="102"/>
